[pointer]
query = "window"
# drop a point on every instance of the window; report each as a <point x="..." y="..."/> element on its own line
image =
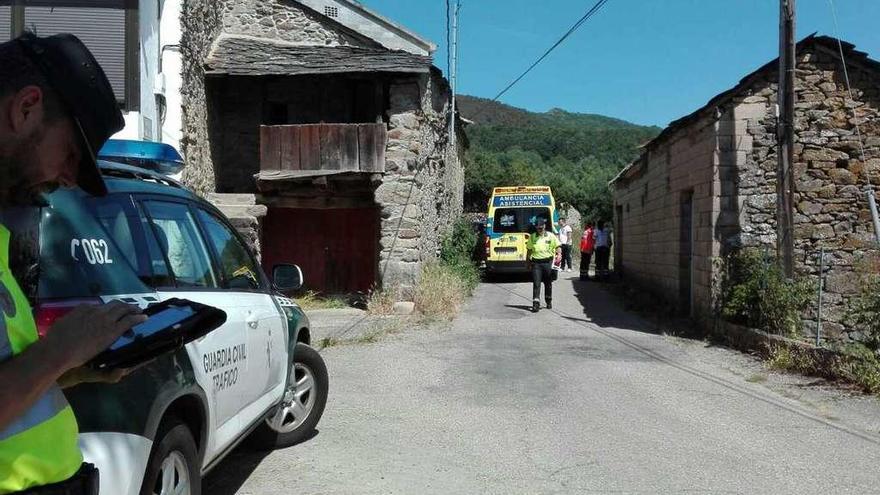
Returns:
<point x="236" y="264"/>
<point x="79" y="256"/>
<point x="108" y="27"/>
<point x="510" y="220"/>
<point x="181" y="245"/>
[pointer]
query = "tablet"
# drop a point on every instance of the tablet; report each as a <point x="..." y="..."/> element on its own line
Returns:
<point x="170" y="325"/>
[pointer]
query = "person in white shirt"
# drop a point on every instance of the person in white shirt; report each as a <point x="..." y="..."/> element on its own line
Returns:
<point x="565" y="242"/>
<point x="603" y="249"/>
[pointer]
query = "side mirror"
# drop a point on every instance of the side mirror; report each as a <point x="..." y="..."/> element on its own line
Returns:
<point x="287" y="277"/>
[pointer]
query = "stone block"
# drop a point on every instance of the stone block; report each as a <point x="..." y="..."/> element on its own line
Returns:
<point x="809" y="207"/>
<point x="842" y="282"/>
<point x="827" y="191"/>
<point x="403" y="308"/>
<point x="822" y="232"/>
<point x="404" y="120"/>
<point x="823" y="155"/>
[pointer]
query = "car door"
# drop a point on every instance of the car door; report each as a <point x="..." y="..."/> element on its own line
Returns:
<point x="184" y="268"/>
<point x="243" y="278"/>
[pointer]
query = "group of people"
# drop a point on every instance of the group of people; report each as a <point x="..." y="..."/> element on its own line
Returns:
<point x="547" y="251"/>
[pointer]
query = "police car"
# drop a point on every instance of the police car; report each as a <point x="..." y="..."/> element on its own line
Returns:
<point x="169" y="422"/>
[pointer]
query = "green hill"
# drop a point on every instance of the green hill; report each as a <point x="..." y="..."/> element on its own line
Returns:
<point x="576" y="154"/>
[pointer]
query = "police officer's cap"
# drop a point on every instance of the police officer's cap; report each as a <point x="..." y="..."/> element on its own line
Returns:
<point x="76" y="77"/>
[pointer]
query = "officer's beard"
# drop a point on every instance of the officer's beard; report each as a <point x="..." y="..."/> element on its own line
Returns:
<point x="18" y="159"/>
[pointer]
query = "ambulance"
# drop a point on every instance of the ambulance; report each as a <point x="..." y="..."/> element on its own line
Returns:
<point x="513" y="213"/>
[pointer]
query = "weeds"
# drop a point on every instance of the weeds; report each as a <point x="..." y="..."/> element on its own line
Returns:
<point x="381" y="301"/>
<point x="440" y="293"/>
<point x="456" y="254"/>
<point x="328" y="342"/>
<point x="758" y="294"/>
<point x="311" y="300"/>
<point x="852" y="363"/>
<point x="864" y="308"/>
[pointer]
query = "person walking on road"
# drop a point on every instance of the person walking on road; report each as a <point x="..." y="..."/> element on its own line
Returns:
<point x="603" y="249"/>
<point x="588" y="243"/>
<point x="565" y="235"/>
<point x="56" y="109"/>
<point x="542" y="248"/>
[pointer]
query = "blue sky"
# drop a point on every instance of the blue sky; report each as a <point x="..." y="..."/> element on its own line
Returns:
<point x="645" y="61"/>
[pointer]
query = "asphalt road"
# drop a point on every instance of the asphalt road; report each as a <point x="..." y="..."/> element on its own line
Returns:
<point x="585" y="398"/>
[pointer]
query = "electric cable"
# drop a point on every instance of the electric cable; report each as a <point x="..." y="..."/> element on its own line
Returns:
<point x="590" y="13"/>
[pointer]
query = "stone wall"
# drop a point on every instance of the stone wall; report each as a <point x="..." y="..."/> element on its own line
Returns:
<point x="421" y="194"/>
<point x="831" y="211"/>
<point x="830" y="177"/>
<point x="201" y="23"/>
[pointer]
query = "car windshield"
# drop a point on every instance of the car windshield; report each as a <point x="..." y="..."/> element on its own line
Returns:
<point x="78" y="257"/>
<point x="511" y="220"/>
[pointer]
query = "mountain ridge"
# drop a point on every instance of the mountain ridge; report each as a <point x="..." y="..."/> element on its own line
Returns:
<point x="483" y="111"/>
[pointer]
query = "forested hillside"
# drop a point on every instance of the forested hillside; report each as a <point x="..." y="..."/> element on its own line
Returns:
<point x="576" y="154"/>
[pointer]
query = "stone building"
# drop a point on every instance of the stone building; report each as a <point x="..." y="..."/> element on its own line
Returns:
<point x="329" y="119"/>
<point x="707" y="183"/>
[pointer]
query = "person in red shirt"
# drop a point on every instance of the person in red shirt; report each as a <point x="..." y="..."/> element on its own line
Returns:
<point x="588" y="243"/>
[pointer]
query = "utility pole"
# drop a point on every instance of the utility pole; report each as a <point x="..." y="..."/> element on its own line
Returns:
<point x="453" y="69"/>
<point x="785" y="139"/>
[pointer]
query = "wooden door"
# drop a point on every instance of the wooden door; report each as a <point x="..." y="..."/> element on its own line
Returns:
<point x="337" y="249"/>
<point x="686" y="254"/>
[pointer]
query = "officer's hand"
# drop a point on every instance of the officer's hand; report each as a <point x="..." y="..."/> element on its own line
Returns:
<point x="88" y="330"/>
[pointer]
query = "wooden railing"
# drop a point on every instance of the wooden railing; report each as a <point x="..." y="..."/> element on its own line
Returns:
<point x="311" y="148"/>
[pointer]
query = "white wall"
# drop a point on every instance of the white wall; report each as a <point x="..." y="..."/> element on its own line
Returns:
<point x="172" y="70"/>
<point x="145" y="124"/>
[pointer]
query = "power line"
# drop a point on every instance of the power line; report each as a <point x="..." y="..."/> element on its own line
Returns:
<point x="590" y="13"/>
<point x="848" y="86"/>
<point x="448" y="40"/>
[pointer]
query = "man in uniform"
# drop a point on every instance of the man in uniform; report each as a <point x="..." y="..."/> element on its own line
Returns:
<point x="542" y="248"/>
<point x="56" y="109"/>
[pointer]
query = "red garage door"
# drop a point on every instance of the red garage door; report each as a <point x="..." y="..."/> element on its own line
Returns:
<point x="336" y="249"/>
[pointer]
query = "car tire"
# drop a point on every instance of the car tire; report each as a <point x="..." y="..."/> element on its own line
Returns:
<point x="174" y="462"/>
<point x="295" y="419"/>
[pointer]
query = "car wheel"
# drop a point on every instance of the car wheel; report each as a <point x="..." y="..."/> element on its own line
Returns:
<point x="296" y="417"/>
<point x="173" y="468"/>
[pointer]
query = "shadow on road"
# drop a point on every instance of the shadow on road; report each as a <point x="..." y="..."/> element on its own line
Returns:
<point x="231" y="474"/>
<point x="523" y="307"/>
<point x="603" y="308"/>
<point x="606" y="304"/>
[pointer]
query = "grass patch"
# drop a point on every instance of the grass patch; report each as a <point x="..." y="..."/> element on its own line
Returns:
<point x="445" y="285"/>
<point x="312" y="300"/>
<point x="441" y="292"/>
<point x="328" y="342"/>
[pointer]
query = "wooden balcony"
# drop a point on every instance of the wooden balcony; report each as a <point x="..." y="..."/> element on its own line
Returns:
<point x="311" y="151"/>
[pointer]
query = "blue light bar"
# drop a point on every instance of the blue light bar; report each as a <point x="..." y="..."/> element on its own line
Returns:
<point x="161" y="157"/>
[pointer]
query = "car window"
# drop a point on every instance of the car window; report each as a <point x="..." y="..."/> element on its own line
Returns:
<point x="182" y="246"/>
<point x="236" y="263"/>
<point x="123" y="222"/>
<point x="510" y="220"/>
<point x="78" y="256"/>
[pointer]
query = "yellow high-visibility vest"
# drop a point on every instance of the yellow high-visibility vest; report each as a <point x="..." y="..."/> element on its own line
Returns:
<point x="39" y="447"/>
